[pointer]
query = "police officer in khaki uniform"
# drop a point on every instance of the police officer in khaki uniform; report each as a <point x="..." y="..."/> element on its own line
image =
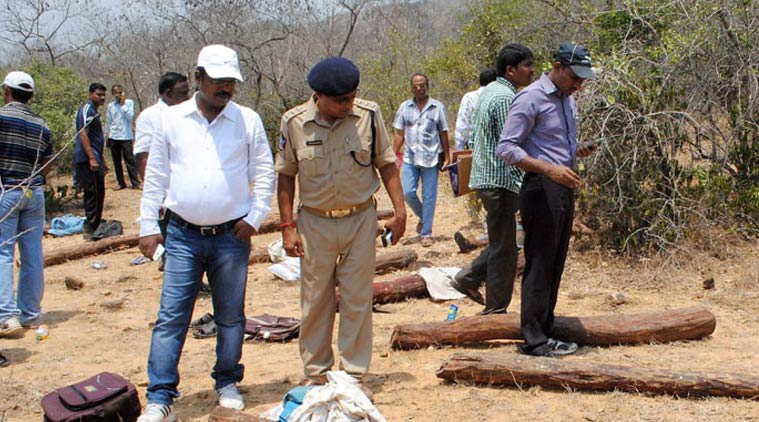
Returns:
<point x="333" y="143"/>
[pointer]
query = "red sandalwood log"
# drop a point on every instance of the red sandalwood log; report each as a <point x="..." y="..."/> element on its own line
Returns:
<point x="663" y="326"/>
<point x="92" y="248"/>
<point x="518" y="370"/>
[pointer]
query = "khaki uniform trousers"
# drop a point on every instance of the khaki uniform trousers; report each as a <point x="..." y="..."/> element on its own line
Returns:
<point x="338" y="252"/>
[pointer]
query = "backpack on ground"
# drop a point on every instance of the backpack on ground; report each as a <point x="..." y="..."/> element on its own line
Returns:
<point x="106" y="397"/>
<point x="271" y="328"/>
<point x="108" y="228"/>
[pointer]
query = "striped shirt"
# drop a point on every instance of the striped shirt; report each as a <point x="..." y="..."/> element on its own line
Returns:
<point x="421" y="131"/>
<point x="489" y="171"/>
<point x="25" y="144"/>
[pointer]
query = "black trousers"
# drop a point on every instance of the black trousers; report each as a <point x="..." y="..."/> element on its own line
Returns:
<point x="93" y="185"/>
<point x="123" y="149"/>
<point x="547" y="210"/>
<point x="496" y="265"/>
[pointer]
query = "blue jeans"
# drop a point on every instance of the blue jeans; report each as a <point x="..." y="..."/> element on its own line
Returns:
<point x="22" y="221"/>
<point x="224" y="258"/>
<point x="425" y="209"/>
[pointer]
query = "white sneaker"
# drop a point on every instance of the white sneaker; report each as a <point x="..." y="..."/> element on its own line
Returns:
<point x="10" y="327"/>
<point x="156" y="412"/>
<point x="230" y="397"/>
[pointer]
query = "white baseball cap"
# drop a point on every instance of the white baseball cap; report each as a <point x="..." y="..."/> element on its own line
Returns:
<point x="219" y="62"/>
<point x="19" y="80"/>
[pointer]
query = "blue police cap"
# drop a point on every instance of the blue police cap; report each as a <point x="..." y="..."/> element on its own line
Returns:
<point x="334" y="76"/>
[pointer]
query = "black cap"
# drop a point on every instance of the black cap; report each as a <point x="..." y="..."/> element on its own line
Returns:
<point x="576" y="57"/>
<point x="334" y="76"/>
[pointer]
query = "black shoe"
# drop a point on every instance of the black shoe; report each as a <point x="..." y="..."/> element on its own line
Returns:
<point x="549" y="349"/>
<point x="463" y="243"/>
<point x="473" y="294"/>
<point x="4" y="361"/>
<point x="493" y="311"/>
<point x="121" y="187"/>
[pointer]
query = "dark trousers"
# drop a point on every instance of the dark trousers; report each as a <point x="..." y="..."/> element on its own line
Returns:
<point x="547" y="210"/>
<point x="497" y="263"/>
<point x="121" y="149"/>
<point x="93" y="185"/>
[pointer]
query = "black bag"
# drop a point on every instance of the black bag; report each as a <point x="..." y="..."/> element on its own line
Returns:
<point x="271" y="328"/>
<point x="106" y="397"/>
<point x="108" y="228"/>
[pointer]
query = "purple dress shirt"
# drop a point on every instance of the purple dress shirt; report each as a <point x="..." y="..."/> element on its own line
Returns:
<point x="542" y="124"/>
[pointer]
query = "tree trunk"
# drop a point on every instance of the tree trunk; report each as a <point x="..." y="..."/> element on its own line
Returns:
<point x="519" y="370"/>
<point x="663" y="326"/>
<point x="88" y="249"/>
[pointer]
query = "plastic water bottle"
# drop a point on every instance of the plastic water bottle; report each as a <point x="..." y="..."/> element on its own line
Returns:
<point x="452" y="311"/>
<point x="42" y="332"/>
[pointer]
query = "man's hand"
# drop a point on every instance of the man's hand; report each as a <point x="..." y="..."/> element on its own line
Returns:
<point x="586" y="148"/>
<point x="94" y="165"/>
<point x="397" y="225"/>
<point x="564" y="176"/>
<point x="291" y="242"/>
<point x="148" y="244"/>
<point x="243" y="231"/>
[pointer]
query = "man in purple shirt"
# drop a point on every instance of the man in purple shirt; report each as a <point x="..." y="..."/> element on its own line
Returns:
<point x="540" y="137"/>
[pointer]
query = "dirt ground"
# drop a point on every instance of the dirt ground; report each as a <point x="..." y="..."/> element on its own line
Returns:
<point x="86" y="338"/>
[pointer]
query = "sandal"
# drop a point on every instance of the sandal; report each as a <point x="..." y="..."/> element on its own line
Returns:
<point x="205" y="319"/>
<point x="205" y="331"/>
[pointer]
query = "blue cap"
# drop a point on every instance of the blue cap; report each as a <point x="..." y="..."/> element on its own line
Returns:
<point x="334" y="76"/>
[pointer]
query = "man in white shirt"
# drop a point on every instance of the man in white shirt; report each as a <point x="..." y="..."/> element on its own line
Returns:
<point x="173" y="88"/>
<point x="119" y="129"/>
<point x="463" y="134"/>
<point x="212" y="167"/>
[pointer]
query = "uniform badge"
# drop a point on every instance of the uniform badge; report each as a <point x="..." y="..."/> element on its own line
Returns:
<point x="282" y="142"/>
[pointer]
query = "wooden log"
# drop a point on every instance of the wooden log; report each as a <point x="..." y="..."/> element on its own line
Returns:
<point x="399" y="289"/>
<point x="395" y="260"/>
<point x="129" y="241"/>
<point x="91" y="248"/>
<point x="518" y="370"/>
<point x="663" y="326"/>
<point x="391" y="261"/>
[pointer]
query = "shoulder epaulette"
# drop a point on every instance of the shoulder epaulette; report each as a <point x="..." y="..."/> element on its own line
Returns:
<point x="366" y="104"/>
<point x="293" y="112"/>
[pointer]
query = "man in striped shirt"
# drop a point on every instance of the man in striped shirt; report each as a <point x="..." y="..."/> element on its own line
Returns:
<point x="497" y="184"/>
<point x="25" y="149"/>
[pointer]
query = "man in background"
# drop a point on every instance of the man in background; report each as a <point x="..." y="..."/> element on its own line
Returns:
<point x="119" y="126"/>
<point x="173" y="88"/>
<point x="463" y="133"/>
<point x="25" y="150"/>
<point x="88" y="157"/>
<point x="422" y="125"/>
<point x="497" y="185"/>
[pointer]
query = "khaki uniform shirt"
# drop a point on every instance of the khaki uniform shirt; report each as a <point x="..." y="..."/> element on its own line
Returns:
<point x="320" y="154"/>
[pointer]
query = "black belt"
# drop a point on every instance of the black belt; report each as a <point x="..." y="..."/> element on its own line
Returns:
<point x="205" y="230"/>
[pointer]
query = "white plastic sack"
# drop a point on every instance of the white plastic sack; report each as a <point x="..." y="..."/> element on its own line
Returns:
<point x="340" y="400"/>
<point x="277" y="252"/>
<point x="288" y="270"/>
<point x="438" y="281"/>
